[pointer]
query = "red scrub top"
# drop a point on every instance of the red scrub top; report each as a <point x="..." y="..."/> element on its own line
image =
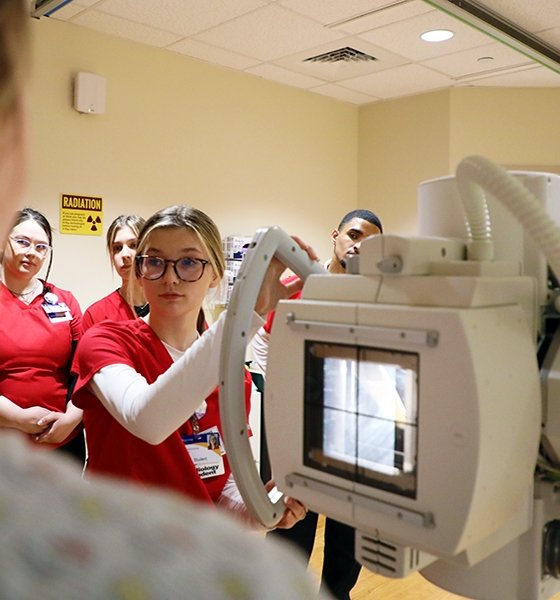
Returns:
<point x="270" y="317"/>
<point x="112" y="449"/>
<point x="35" y="351"/>
<point x="113" y="308"/>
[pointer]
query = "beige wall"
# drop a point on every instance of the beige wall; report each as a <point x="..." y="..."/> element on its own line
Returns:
<point x="406" y="141"/>
<point x="249" y="152"/>
<point x="402" y="142"/>
<point x="509" y="126"/>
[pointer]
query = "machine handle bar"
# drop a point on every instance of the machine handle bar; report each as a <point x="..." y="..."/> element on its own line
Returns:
<point x="266" y="507"/>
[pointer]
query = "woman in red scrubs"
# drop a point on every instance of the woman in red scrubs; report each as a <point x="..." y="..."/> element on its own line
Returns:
<point x="147" y="386"/>
<point x="122" y="239"/>
<point x="40" y="327"/>
<point x="120" y="305"/>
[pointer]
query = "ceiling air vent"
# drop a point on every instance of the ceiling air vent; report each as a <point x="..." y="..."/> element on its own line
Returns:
<point x="342" y="54"/>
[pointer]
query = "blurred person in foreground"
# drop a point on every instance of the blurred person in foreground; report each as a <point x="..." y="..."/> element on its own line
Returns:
<point x="64" y="538"/>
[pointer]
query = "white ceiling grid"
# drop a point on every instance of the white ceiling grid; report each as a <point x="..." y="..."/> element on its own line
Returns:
<point x="272" y="38"/>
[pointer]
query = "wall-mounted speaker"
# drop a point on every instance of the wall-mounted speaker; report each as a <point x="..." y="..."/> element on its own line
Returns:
<point x="89" y="93"/>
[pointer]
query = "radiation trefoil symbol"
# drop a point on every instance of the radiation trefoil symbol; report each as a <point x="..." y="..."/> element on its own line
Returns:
<point x="94" y="222"/>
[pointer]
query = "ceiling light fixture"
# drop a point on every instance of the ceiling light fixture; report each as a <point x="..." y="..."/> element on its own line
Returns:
<point x="437" y="35"/>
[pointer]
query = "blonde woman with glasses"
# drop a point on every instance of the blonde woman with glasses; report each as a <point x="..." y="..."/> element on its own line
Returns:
<point x="40" y="327"/>
<point x="149" y="386"/>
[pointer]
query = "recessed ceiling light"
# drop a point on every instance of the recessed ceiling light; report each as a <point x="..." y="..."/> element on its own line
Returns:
<point x="437" y="35"/>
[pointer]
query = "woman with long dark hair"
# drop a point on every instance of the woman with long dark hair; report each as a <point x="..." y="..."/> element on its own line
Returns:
<point x="41" y="325"/>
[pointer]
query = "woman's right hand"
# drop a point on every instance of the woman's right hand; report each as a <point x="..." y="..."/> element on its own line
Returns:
<point x="59" y="426"/>
<point x="272" y="289"/>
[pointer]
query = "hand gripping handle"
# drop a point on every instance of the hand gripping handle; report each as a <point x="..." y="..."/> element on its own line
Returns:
<point x="266" y="507"/>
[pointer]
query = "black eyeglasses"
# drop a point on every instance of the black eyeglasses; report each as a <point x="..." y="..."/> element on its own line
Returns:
<point x="186" y="269"/>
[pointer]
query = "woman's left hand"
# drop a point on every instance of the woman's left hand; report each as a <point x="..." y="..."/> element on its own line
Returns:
<point x="272" y="289"/>
<point x="60" y="425"/>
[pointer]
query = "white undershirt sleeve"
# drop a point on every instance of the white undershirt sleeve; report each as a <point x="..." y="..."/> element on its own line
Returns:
<point x="152" y="412"/>
<point x="259" y="347"/>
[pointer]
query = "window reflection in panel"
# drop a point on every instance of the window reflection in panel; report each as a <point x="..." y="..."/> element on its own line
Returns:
<point x="360" y="414"/>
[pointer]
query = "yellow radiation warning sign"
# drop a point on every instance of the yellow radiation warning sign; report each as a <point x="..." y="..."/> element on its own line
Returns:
<point x="81" y="215"/>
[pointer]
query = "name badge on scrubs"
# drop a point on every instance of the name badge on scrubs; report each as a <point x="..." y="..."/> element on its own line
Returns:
<point x="56" y="311"/>
<point x="206" y="452"/>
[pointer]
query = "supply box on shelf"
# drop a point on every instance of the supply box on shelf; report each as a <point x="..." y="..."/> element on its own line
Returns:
<point x="234" y="247"/>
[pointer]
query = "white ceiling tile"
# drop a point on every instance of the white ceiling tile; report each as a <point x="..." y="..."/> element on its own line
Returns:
<point x="184" y="17"/>
<point x="478" y="60"/>
<point x="268" y="34"/>
<point x="404" y="37"/>
<point x="392" y="14"/>
<point x="339" y="93"/>
<point x="67" y="12"/>
<point x="552" y="36"/>
<point x="212" y="54"/>
<point x="105" y="23"/>
<point x="268" y="71"/>
<point x="330" y="11"/>
<point x="87" y="2"/>
<point x="529" y="77"/>
<point x="400" y="81"/>
<point x="341" y="70"/>
<point x="72" y="8"/>
<point x="529" y="15"/>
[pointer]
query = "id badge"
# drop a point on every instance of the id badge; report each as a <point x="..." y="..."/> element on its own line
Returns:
<point x="57" y="312"/>
<point x="206" y="452"/>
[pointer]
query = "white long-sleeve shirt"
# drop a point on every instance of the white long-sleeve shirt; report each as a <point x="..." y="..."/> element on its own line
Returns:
<point x="152" y="412"/>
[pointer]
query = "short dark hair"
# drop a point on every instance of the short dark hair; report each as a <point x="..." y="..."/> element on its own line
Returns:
<point x="361" y="213"/>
